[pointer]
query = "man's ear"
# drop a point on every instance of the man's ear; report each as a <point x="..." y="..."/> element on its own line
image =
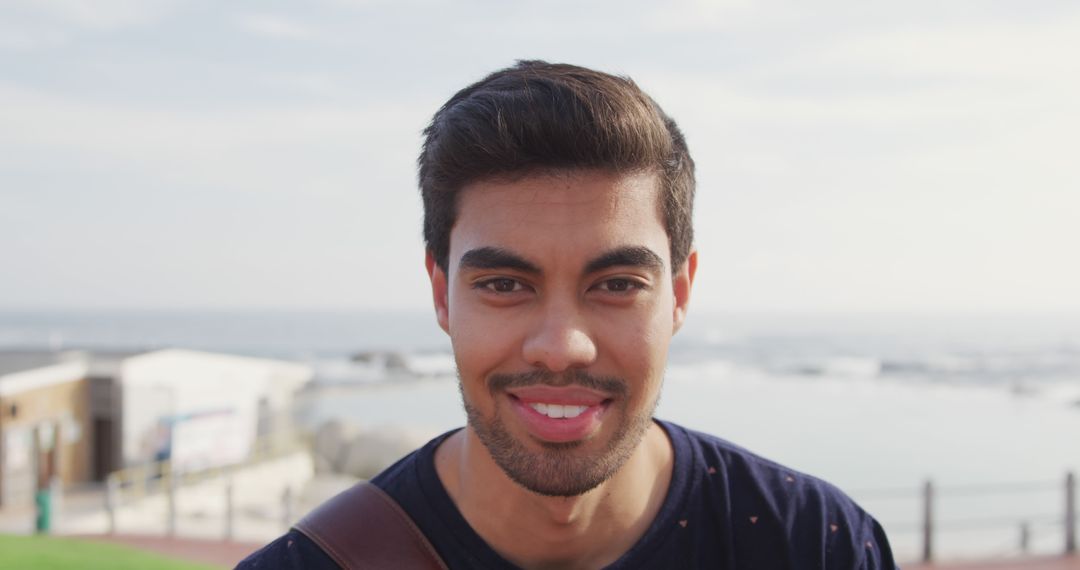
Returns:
<point x="439" y="291"/>
<point x="682" y="282"/>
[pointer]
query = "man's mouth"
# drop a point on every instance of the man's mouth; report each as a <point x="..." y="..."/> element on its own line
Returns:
<point x="559" y="414"/>
<point x="559" y="408"/>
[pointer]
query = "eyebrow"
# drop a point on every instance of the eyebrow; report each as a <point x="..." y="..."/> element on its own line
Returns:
<point x="495" y="258"/>
<point x="632" y="256"/>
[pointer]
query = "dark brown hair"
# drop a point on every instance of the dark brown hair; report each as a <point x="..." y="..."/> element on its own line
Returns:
<point x="538" y="116"/>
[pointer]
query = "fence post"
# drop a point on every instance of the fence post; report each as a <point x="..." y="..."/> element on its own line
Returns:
<point x="1070" y="513"/>
<point x="170" y="500"/>
<point x="229" y="508"/>
<point x="928" y="521"/>
<point x="112" y="485"/>
<point x="57" y="492"/>
<point x="286" y="499"/>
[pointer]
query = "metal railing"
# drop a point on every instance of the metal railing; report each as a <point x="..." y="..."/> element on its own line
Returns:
<point x="153" y="478"/>
<point x="931" y="526"/>
<point x="132" y="484"/>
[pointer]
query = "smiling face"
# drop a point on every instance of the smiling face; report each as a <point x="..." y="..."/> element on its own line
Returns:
<point x="560" y="303"/>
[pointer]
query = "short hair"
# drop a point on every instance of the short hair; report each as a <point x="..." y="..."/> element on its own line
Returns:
<point x="537" y="116"/>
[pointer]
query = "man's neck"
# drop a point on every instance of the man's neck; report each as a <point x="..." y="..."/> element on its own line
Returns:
<point x="534" y="531"/>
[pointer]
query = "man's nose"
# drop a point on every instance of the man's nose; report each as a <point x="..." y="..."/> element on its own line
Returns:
<point x="560" y="341"/>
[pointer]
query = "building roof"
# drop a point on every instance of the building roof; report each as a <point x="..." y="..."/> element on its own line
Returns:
<point x="13" y="361"/>
<point x="102" y="362"/>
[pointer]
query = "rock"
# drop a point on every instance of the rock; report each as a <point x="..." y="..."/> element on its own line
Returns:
<point x="343" y="448"/>
<point x="330" y="441"/>
<point x="322" y="465"/>
<point x="394" y="361"/>
<point x="371" y="451"/>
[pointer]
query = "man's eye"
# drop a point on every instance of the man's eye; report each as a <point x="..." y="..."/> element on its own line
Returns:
<point x="620" y="286"/>
<point x="501" y="285"/>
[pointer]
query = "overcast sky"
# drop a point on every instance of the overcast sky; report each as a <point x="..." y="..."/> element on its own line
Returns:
<point x="858" y="156"/>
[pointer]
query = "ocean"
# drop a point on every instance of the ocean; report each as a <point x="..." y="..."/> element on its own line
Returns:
<point x="986" y="407"/>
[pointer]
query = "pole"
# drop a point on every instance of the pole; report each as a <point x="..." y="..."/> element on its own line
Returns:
<point x="111" y="488"/>
<point x="286" y="499"/>
<point x="229" y="508"/>
<point x="928" y="521"/>
<point x="1070" y="513"/>
<point x="170" y="499"/>
<point x="1025" y="537"/>
<point x="56" y="487"/>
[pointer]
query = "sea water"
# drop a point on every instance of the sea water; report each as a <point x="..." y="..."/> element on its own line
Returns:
<point x="986" y="408"/>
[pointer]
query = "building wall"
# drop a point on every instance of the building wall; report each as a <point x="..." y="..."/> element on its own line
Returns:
<point x="62" y="407"/>
<point x="200" y="409"/>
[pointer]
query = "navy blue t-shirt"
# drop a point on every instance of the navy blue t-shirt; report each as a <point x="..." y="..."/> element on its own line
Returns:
<point x="726" y="508"/>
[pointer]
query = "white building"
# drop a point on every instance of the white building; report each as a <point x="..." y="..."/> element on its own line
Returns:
<point x="77" y="416"/>
<point x="201" y="409"/>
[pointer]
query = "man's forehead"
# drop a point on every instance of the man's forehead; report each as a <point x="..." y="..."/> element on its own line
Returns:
<point x="584" y="213"/>
<point x="562" y="197"/>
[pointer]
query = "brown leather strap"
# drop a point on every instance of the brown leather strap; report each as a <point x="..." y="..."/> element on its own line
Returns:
<point x="362" y="528"/>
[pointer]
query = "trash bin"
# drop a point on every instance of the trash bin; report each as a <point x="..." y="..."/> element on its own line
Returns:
<point x="43" y="499"/>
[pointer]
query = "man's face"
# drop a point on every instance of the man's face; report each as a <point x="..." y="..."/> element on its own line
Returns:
<point x="560" y="303"/>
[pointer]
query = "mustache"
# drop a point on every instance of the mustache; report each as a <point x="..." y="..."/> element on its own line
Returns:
<point x="607" y="384"/>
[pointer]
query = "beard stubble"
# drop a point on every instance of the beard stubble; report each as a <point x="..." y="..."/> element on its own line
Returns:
<point x="560" y="469"/>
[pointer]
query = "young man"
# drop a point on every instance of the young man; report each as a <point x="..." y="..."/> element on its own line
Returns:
<point x="557" y="207"/>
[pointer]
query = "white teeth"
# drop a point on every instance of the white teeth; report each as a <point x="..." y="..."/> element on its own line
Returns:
<point x="558" y="410"/>
<point x="573" y="411"/>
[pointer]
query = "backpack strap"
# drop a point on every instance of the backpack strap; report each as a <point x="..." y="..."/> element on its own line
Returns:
<point x="363" y="527"/>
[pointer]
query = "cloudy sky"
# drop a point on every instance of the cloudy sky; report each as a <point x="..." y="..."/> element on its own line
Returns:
<point x="915" y="156"/>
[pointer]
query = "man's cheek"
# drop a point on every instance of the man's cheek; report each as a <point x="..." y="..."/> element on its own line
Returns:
<point x="478" y="351"/>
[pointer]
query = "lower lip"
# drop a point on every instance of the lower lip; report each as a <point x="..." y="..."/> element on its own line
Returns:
<point x="559" y="430"/>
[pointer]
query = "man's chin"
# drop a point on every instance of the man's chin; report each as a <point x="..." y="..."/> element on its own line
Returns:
<point x="555" y="469"/>
<point x="562" y="477"/>
<point x="549" y="468"/>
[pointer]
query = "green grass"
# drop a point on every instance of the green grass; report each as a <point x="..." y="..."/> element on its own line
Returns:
<point x="46" y="553"/>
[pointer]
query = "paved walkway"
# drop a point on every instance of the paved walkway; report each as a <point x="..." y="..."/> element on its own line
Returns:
<point x="1040" y="563"/>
